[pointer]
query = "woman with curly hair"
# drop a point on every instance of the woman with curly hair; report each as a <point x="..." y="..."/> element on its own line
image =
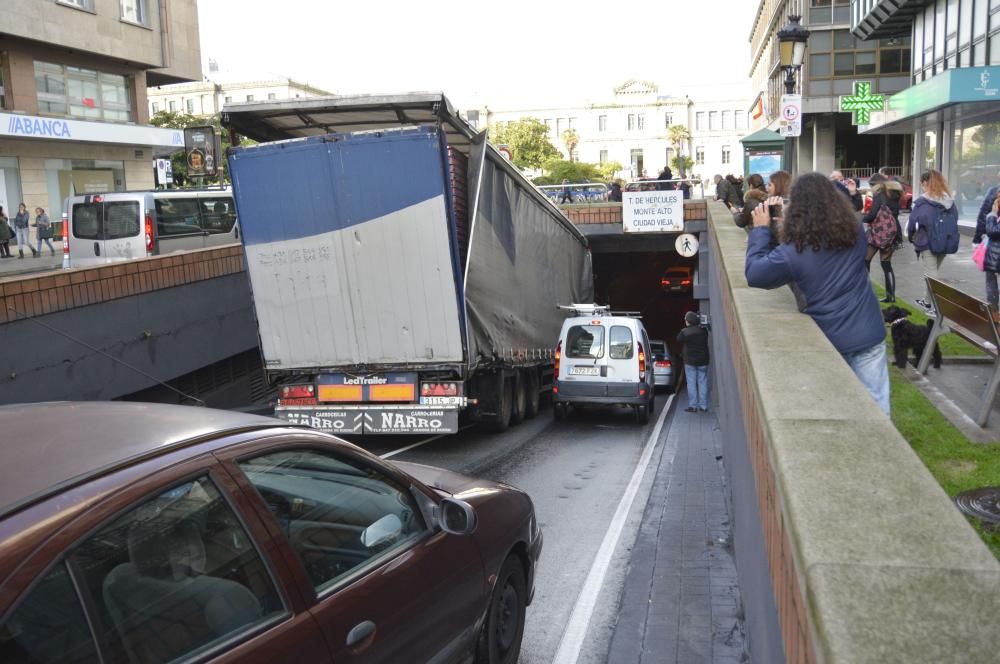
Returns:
<point x="822" y="253"/>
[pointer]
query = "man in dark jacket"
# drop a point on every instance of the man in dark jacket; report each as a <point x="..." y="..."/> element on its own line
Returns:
<point x="665" y="174"/>
<point x="694" y="351"/>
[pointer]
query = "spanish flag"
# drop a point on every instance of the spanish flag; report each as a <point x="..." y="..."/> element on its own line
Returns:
<point x="759" y="111"/>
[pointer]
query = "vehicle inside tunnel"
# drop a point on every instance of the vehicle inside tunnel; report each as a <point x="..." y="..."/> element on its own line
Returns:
<point x="657" y="284"/>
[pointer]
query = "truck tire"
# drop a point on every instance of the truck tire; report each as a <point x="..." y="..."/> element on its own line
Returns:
<point x="519" y="404"/>
<point x="505" y="401"/>
<point x="534" y="398"/>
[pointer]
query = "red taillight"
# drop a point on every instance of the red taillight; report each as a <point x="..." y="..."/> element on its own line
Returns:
<point x="439" y="389"/>
<point x="149" y="233"/>
<point x="98" y="199"/>
<point x="298" y="392"/>
<point x="642" y="362"/>
<point x="686" y="282"/>
<point x="664" y="282"/>
<point x="662" y="365"/>
<point x="558" y="356"/>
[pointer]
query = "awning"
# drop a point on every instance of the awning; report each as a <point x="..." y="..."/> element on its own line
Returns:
<point x="15" y="125"/>
<point x="955" y="94"/>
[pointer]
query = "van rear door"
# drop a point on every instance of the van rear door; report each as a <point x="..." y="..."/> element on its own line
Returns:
<point x="178" y="224"/>
<point x="623" y="364"/>
<point x="584" y="362"/>
<point x="104" y="231"/>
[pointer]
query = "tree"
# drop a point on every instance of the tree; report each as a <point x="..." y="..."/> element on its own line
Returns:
<point x="681" y="164"/>
<point x="570" y="139"/>
<point x="528" y="140"/>
<point x="609" y="169"/>
<point x="174" y="120"/>
<point x="677" y="135"/>
<point x="557" y="170"/>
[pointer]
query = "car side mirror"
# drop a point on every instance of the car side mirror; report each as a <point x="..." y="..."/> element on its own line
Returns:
<point x="456" y="517"/>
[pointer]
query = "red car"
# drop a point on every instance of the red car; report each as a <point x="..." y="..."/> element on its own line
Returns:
<point x="677" y="280"/>
<point x="140" y="533"/>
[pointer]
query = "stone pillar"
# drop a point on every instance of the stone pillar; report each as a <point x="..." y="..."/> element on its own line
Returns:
<point x="824" y="145"/>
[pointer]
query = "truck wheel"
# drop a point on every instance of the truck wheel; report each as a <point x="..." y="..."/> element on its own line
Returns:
<point x="534" y="398"/>
<point x="504" y="405"/>
<point x="519" y="403"/>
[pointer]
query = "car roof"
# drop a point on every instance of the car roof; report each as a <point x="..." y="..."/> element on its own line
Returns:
<point x="48" y="447"/>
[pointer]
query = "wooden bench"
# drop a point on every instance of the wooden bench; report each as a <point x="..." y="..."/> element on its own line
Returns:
<point x="970" y="318"/>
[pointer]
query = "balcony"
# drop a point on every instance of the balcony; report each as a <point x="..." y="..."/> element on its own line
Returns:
<point x="879" y="19"/>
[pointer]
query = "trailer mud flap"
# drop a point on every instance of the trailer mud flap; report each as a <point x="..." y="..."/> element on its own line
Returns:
<point x="374" y="421"/>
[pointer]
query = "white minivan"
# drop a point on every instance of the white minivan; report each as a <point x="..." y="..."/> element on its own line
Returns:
<point x="603" y="358"/>
<point x="105" y="228"/>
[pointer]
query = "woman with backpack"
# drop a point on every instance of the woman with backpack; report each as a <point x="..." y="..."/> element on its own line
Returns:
<point x="934" y="220"/>
<point x="884" y="232"/>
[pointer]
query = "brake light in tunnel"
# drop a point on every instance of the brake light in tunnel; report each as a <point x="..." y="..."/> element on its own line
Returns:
<point x="298" y="392"/>
<point x="439" y="389"/>
<point x="558" y="357"/>
<point x="686" y="282"/>
<point x="642" y="361"/>
<point x="149" y="233"/>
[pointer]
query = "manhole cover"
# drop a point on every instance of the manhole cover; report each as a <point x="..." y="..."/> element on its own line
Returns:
<point x="981" y="503"/>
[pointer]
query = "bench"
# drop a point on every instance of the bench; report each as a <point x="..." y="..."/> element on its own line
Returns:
<point x="970" y="318"/>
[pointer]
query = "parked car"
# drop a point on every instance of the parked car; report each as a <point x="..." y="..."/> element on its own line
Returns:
<point x="603" y="359"/>
<point x="663" y="365"/>
<point x="677" y="280"/>
<point x="142" y="533"/>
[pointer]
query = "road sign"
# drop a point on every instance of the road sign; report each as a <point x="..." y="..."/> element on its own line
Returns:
<point x="652" y="211"/>
<point x="791" y="116"/>
<point x="686" y="245"/>
<point x="862" y="102"/>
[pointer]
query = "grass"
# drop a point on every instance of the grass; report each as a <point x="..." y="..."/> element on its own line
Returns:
<point x="956" y="463"/>
<point x="952" y="345"/>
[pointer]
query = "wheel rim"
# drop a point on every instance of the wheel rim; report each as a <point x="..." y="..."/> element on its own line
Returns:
<point x="507" y="618"/>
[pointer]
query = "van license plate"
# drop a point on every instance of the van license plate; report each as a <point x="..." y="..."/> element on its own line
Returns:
<point x="585" y="371"/>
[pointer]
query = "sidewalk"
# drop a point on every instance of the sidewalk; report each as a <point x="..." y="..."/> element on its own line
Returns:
<point x="681" y="599"/>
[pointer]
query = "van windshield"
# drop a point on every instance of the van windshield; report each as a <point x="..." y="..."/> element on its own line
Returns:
<point x="585" y="341"/>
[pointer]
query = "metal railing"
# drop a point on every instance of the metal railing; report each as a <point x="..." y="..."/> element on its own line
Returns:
<point x="651" y="185"/>
<point x="580" y="193"/>
<point x="865" y="173"/>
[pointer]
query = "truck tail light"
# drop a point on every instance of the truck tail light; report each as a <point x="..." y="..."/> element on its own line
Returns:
<point x="298" y="392"/>
<point x="149" y="233"/>
<point x="447" y="389"/>
<point x="642" y="361"/>
<point x="558" y="356"/>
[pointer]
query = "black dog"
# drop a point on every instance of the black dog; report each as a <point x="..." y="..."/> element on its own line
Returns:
<point x="907" y="336"/>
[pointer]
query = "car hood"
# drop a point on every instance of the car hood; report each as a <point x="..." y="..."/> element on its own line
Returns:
<point x="460" y="486"/>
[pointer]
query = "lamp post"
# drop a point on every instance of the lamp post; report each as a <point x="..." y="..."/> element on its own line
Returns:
<point x="791" y="52"/>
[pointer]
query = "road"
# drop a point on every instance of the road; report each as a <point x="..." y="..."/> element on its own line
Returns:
<point x="576" y="472"/>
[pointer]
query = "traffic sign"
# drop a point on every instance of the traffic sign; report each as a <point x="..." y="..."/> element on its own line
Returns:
<point x="862" y="102"/>
<point x="790" y="123"/>
<point x="686" y="245"/>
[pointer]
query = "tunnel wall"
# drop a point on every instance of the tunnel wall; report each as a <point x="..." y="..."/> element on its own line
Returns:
<point x="865" y="557"/>
<point x="165" y="316"/>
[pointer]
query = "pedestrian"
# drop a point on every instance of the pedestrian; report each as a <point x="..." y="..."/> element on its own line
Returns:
<point x="857" y="200"/>
<point x="882" y="239"/>
<point x="735" y="191"/>
<point x="721" y="189"/>
<point x="693" y="340"/>
<point x="779" y="184"/>
<point x="616" y="192"/>
<point x="665" y="175"/>
<point x="44" y="231"/>
<point x="821" y="251"/>
<point x="751" y="200"/>
<point x="6" y="233"/>
<point x="21" y="221"/>
<point x="933" y="222"/>
<point x="755" y="181"/>
<point x="567" y="194"/>
<point x="990" y="227"/>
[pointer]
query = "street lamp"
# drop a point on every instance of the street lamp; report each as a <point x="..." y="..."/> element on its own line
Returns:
<point x="791" y="52"/>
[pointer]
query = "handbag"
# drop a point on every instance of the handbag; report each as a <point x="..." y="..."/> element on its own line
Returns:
<point x="979" y="254"/>
<point x="45" y="232"/>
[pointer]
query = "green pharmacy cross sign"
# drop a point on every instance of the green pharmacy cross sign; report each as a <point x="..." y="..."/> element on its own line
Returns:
<point x="862" y="102"/>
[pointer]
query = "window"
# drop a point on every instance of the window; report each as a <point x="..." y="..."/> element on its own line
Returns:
<point x="602" y="123"/>
<point x="668" y="120"/>
<point x="177" y="216"/>
<point x="559" y="126"/>
<point x="49" y="625"/>
<point x="249" y="97"/>
<point x="340" y="516"/>
<point x="2" y="100"/>
<point x="713" y="120"/>
<point x="637" y="162"/>
<point x="631" y="121"/>
<point x="174" y="576"/>
<point x="699" y="120"/>
<point x="134" y="10"/>
<point x="218" y="215"/>
<point x="726" y="154"/>
<point x="699" y="155"/>
<point x="271" y="96"/>
<point x="156" y="107"/>
<point x="82" y="4"/>
<point x="173" y="106"/>
<point x="640" y="121"/>
<point x="81" y="93"/>
<point x="569" y="122"/>
<point x="189" y="106"/>
<point x="741" y="119"/>
<point x="620" y="343"/>
<point x="229" y="99"/>
<point x="585" y="342"/>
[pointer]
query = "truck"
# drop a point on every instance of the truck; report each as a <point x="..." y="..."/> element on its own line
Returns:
<point x="403" y="271"/>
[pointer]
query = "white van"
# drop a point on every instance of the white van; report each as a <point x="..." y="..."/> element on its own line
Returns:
<point x="105" y="228"/>
<point x="603" y="358"/>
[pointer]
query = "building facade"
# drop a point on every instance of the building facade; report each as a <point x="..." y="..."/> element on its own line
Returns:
<point x="208" y="97"/>
<point x="631" y="128"/>
<point x="835" y="60"/>
<point x="73" y="79"/>
<point x="952" y="109"/>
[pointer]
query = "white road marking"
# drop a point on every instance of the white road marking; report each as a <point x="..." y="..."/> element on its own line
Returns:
<point x="388" y="455"/>
<point x="579" y="620"/>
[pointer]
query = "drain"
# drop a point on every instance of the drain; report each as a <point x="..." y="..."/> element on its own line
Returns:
<point x="981" y="503"/>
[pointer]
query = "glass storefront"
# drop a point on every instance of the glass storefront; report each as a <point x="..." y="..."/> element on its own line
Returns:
<point x="975" y="162"/>
<point x="68" y="177"/>
<point x="10" y="185"/>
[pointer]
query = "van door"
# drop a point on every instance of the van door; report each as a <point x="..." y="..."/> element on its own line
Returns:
<point x="104" y="231"/>
<point x="218" y="220"/>
<point x="623" y="364"/>
<point x="584" y="361"/>
<point x="178" y="224"/>
<point x="123" y="234"/>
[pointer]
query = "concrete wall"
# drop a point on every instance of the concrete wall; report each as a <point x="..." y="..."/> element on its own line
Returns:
<point x="867" y="557"/>
<point x="165" y="316"/>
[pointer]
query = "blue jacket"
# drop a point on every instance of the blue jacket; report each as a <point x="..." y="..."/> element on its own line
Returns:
<point x="926" y="214"/>
<point x="834" y="284"/>
<point x="984" y="210"/>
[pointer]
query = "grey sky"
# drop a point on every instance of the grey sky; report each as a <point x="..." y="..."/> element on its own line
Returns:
<point x="501" y="54"/>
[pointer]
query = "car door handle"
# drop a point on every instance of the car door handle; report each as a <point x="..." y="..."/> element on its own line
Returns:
<point x="360" y="633"/>
<point x="97" y="248"/>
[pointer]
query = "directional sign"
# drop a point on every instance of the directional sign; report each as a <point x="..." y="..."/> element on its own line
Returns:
<point x="791" y="116"/>
<point x="862" y="102"/>
<point x="686" y="245"/>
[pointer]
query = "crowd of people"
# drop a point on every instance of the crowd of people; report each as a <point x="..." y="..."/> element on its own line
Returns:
<point x="16" y="230"/>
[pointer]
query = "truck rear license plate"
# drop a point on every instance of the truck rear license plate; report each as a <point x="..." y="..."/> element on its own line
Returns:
<point x="585" y="371"/>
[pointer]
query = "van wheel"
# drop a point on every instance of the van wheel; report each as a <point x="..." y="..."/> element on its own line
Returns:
<point x="505" y="399"/>
<point x="642" y="414"/>
<point x="534" y="398"/>
<point x="519" y="403"/>
<point x="560" y="412"/>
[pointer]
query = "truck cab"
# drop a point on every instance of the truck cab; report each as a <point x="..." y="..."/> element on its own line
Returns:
<point x="603" y="358"/>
